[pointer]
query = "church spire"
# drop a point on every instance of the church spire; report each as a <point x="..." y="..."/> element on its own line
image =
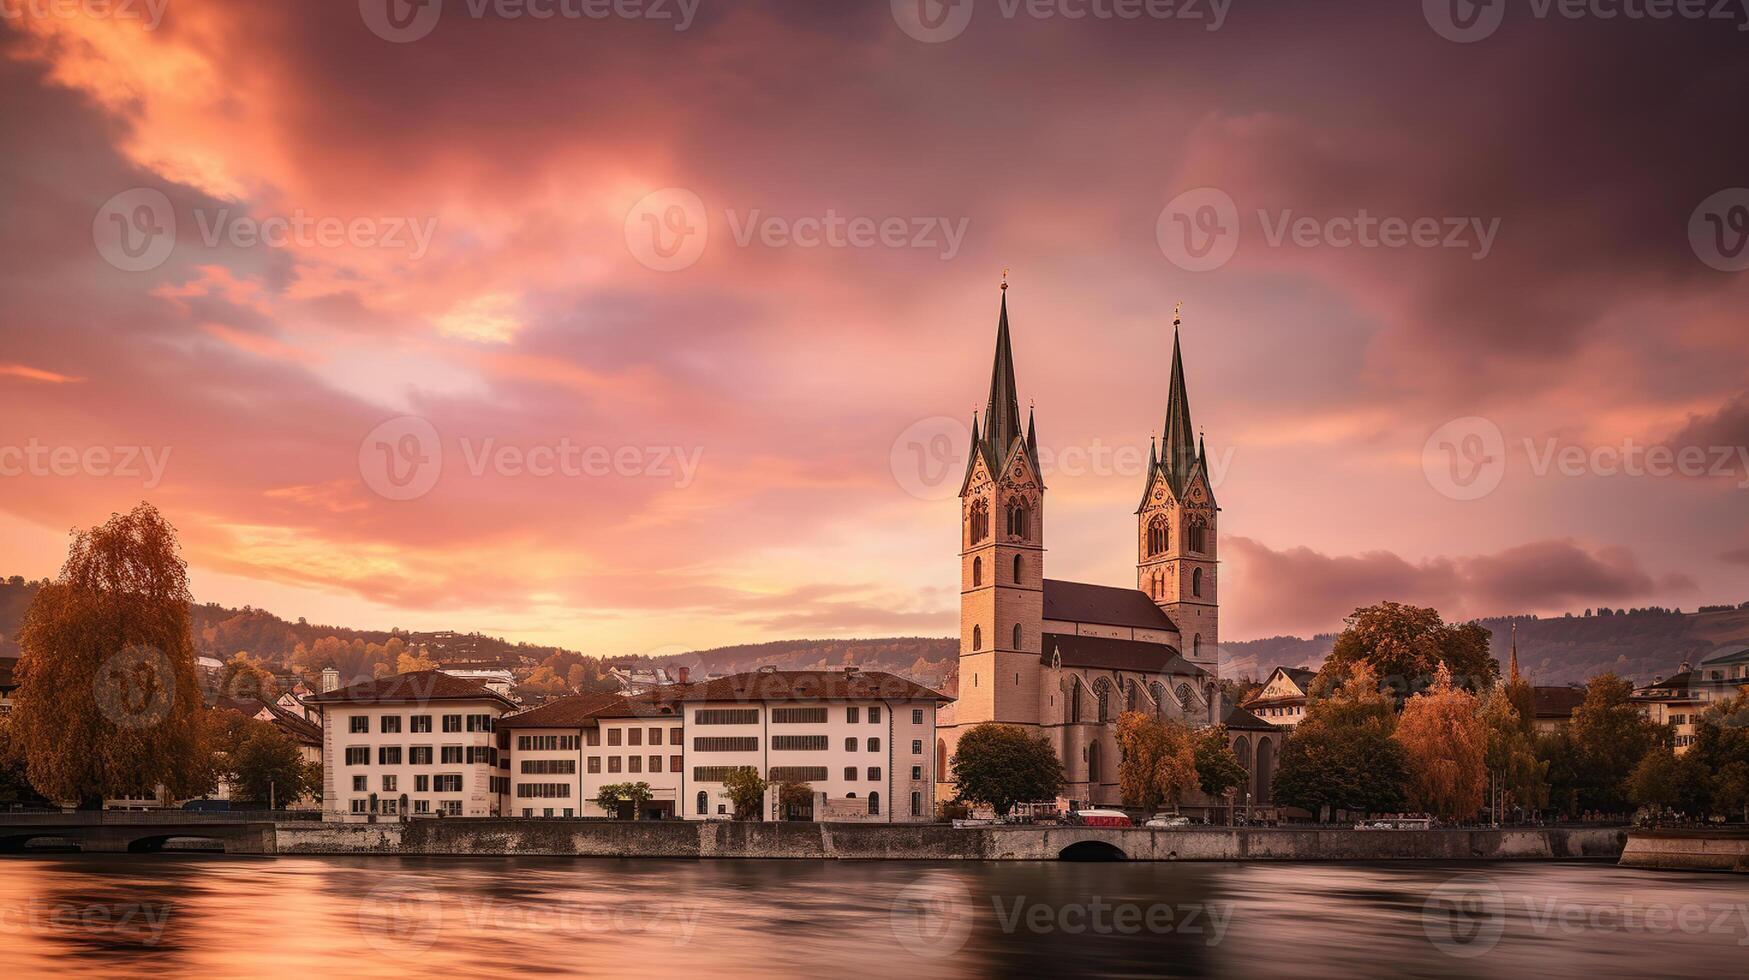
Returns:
<point x="1002" y="412"/>
<point x="1513" y="675"/>
<point x="1178" y="447"/>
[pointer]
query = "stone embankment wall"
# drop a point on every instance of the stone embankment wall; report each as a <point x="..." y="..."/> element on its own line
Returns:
<point x="682" y="839"/>
<point x="1695" y="850"/>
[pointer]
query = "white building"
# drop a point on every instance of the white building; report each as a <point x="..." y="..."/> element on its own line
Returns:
<point x="862" y="741"/>
<point x="1282" y="699"/>
<point x="420" y="744"/>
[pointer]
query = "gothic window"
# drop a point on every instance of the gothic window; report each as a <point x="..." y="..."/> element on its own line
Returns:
<point x="1196" y="646"/>
<point x="980" y="520"/>
<point x="1102" y="692"/>
<point x="1074" y="701"/>
<point x="1186" y="700"/>
<point x="1130" y="696"/>
<point x="940" y="758"/>
<point x="1017" y="636"/>
<point x="703" y="801"/>
<point x="1196" y="582"/>
<point x="1019" y="521"/>
<point x="1197" y="532"/>
<point x="1016" y="569"/>
<point x="1158" y="529"/>
<point x="977" y="638"/>
<point x="1158" y="690"/>
<point x="977" y="572"/>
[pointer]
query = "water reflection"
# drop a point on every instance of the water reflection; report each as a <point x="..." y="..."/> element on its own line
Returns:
<point x="75" y="914"/>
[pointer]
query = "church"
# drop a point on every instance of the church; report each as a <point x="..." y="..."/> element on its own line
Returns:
<point x="1066" y="658"/>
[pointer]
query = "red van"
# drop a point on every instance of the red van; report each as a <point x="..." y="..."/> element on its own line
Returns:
<point x="1103" y="818"/>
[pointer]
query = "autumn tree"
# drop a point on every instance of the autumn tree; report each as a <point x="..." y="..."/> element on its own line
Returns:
<point x="1445" y="745"/>
<point x="1609" y="735"/>
<point x="1342" y="755"/>
<point x="1217" y="766"/>
<point x="746" y="791"/>
<point x="1156" y="760"/>
<point x="108" y="701"/>
<point x="247" y="677"/>
<point x="1660" y="780"/>
<point x="1001" y="765"/>
<point x="793" y="795"/>
<point x="1517" y="776"/>
<point x="265" y="767"/>
<point x="1405" y="646"/>
<point x="412" y="663"/>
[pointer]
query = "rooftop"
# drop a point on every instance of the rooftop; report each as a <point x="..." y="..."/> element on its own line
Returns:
<point x="418" y="687"/>
<point x="1079" y="602"/>
<point x="760" y="685"/>
<point x="1105" y="653"/>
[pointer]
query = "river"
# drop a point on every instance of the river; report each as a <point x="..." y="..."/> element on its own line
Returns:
<point x="214" y="916"/>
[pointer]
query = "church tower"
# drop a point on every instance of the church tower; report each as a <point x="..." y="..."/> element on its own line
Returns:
<point x="1175" y="526"/>
<point x="1001" y="556"/>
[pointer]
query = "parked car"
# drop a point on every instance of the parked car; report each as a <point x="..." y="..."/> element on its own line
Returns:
<point x="1168" y="820"/>
<point x="1103" y="818"/>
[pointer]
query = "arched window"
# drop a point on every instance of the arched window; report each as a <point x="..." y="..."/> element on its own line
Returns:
<point x="977" y="572"/>
<point x="1130" y="695"/>
<point x="1196" y="645"/>
<point x="1186" y="699"/>
<point x="1158" y="690"/>
<point x="1019" y="521"/>
<point x="980" y="520"/>
<point x="1017" y="644"/>
<point x="1074" y="701"/>
<point x="977" y="638"/>
<point x="1093" y="763"/>
<point x="940" y="760"/>
<point x="1158" y="530"/>
<point x="874" y="804"/>
<point x="1197" y="532"/>
<point x="703" y="801"/>
<point x="1196" y="582"/>
<point x="1102" y="694"/>
<point x="1016" y="569"/>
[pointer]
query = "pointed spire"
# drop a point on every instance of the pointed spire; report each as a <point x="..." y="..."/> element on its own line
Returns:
<point x="1178" y="445"/>
<point x="1031" y="436"/>
<point x="1513" y="675"/>
<point x="1002" y="412"/>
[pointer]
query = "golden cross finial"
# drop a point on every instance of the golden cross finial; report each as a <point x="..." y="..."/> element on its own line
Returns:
<point x="1004" y="278"/>
<point x="1177" y="314"/>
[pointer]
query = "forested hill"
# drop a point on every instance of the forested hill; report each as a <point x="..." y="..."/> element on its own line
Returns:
<point x="1639" y="644"/>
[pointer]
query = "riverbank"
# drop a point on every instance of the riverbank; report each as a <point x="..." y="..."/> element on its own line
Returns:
<point x="1688" y="850"/>
<point x="936" y="842"/>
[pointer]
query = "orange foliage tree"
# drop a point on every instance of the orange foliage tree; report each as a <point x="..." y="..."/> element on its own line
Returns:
<point x="1445" y="742"/>
<point x="1158" y="760"/>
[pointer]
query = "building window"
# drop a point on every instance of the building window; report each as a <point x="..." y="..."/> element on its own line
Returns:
<point x="675" y="736"/>
<point x="592" y="736"/>
<point x="703" y="802"/>
<point x="595" y="763"/>
<point x="874" y="804"/>
<point x="674" y="763"/>
<point x="655" y="736"/>
<point x="980" y="520"/>
<point x="1196" y="645"/>
<point x="358" y="785"/>
<point x="421" y="783"/>
<point x="1017" y="568"/>
<point x="726" y="716"/>
<point x="850" y="744"/>
<point x="421" y="725"/>
<point x="358" y="806"/>
<point x="549" y="767"/>
<point x="916" y="716"/>
<point x="1019" y="521"/>
<point x="452" y="755"/>
<point x="637" y="763"/>
<point x="419" y="755"/>
<point x="389" y="783"/>
<point x="850" y="774"/>
<point x="614" y="764"/>
<point x="748" y="743"/>
<point x="357" y="756"/>
<point x="874" y="715"/>
<point x="1185" y="698"/>
<point x="452" y="723"/>
<point x="916" y="746"/>
<point x="655" y="763"/>
<point x="977" y="638"/>
<point x="977" y="572"/>
<point x="1017" y="644"/>
<point x="450" y="808"/>
<point x="874" y="774"/>
<point x="613" y="736"/>
<point x="798" y="716"/>
<point x="391" y="724"/>
<point x="634" y="736"/>
<point x="798" y="743"/>
<point x="1159" y="531"/>
<point x="449" y="784"/>
<point x="1102" y="694"/>
<point x="852" y="714"/>
<point x="480" y="723"/>
<point x="1196" y="582"/>
<point x="1093" y="762"/>
<point x="940" y="755"/>
<point x="917" y="804"/>
<point x="388" y="755"/>
<point x="358" y="724"/>
<point x="874" y="745"/>
<point x="1158" y="691"/>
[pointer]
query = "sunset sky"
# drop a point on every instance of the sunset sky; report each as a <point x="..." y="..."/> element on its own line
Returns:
<point x="479" y="262"/>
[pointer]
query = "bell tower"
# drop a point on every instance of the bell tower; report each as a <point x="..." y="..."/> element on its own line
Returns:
<point x="1175" y="526"/>
<point x="1001" y="556"/>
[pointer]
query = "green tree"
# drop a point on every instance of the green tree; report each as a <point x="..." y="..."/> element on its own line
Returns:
<point x="1721" y="748"/>
<point x="616" y="797"/>
<point x="1665" y="781"/>
<point x="247" y="677"/>
<point x="1342" y="755"/>
<point x="1609" y="735"/>
<point x="1517" y="776"/>
<point x="1730" y="790"/>
<point x="746" y="791"/>
<point x="1001" y="765"/>
<point x="1157" y="761"/>
<point x="1217" y="766"/>
<point x="266" y="768"/>
<point x="1405" y="645"/>
<point x="108" y="702"/>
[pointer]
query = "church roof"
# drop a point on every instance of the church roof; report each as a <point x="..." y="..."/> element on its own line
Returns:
<point x="1078" y="602"/>
<point x="1106" y="653"/>
<point x="1245" y="721"/>
<point x="1182" y="454"/>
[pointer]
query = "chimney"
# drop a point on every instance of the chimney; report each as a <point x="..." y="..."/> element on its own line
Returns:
<point x="684" y="673"/>
<point x="330" y="679"/>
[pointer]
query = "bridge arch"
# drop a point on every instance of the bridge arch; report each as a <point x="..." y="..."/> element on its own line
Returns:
<point x="1092" y="850"/>
<point x="15" y="843"/>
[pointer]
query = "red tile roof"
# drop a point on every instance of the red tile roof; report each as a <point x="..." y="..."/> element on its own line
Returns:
<point x="417" y="687"/>
<point x="1078" y="602"/>
<point x="774" y="685"/>
<point x="1556" y="702"/>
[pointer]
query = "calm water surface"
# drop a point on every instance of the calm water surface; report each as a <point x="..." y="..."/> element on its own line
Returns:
<point x="219" y="917"/>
